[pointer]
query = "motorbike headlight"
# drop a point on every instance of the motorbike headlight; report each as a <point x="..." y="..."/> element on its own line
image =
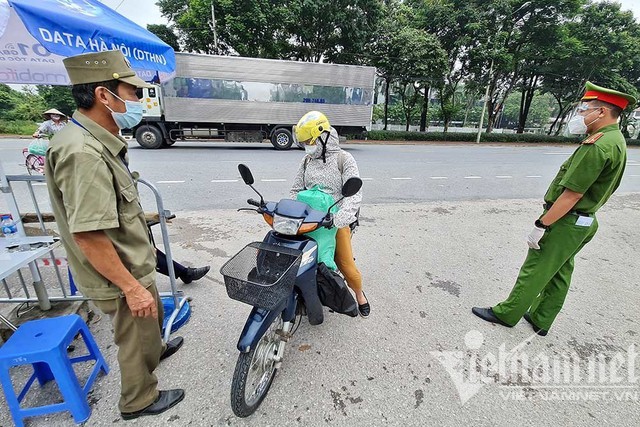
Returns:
<point x="287" y="226"/>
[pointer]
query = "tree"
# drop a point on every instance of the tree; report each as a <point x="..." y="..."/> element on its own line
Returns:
<point x="338" y="31"/>
<point x="166" y="34"/>
<point x="319" y="30"/>
<point x="455" y="24"/>
<point x="603" y="46"/>
<point x="254" y="28"/>
<point x="540" y="109"/>
<point x="58" y="97"/>
<point x="8" y="100"/>
<point x="30" y="105"/>
<point x="415" y="59"/>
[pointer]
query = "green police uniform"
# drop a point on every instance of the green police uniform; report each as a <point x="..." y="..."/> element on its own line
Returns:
<point x="595" y="170"/>
<point x="91" y="189"/>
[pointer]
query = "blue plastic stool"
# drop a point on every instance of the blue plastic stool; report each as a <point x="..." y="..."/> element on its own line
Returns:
<point x="43" y="343"/>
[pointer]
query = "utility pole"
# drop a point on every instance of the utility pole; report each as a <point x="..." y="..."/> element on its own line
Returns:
<point x="213" y="28"/>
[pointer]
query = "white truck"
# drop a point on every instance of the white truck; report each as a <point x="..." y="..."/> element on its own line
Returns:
<point x="248" y="99"/>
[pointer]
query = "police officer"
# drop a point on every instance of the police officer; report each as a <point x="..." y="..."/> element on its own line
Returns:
<point x="584" y="183"/>
<point x="96" y="205"/>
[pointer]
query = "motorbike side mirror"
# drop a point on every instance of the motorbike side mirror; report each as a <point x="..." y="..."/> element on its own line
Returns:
<point x="351" y="187"/>
<point x="246" y="174"/>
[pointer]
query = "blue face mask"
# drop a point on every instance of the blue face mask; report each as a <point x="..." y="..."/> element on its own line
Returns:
<point x="132" y="115"/>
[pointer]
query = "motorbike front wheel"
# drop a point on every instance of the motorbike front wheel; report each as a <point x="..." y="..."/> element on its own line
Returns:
<point x="255" y="371"/>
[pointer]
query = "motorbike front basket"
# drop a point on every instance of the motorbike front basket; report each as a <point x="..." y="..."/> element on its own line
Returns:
<point x="262" y="274"/>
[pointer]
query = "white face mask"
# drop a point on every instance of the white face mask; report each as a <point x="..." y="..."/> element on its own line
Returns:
<point x="576" y="125"/>
<point x="55" y="117"/>
<point x="311" y="149"/>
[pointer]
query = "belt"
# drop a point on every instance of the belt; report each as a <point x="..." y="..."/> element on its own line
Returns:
<point x="547" y="206"/>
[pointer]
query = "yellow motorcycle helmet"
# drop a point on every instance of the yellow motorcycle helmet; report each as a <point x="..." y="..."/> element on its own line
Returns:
<point x="310" y="127"/>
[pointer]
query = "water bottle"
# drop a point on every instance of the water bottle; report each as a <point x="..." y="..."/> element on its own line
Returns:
<point x="9" y="228"/>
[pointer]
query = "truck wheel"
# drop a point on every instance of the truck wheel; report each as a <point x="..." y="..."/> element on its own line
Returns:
<point x="149" y="137"/>
<point x="282" y="139"/>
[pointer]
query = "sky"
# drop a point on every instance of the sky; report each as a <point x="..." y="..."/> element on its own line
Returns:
<point x="144" y="12"/>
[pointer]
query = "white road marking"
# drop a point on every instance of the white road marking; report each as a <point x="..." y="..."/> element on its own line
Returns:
<point x="633" y="164"/>
<point x="558" y="154"/>
<point x="504" y="176"/>
<point x="273" y="180"/>
<point x="224" y="180"/>
<point x="533" y="176"/>
<point x="633" y="175"/>
<point x="170" y="182"/>
<point x="473" y="177"/>
<point x="439" y="177"/>
<point x="39" y="183"/>
<point x="401" y="179"/>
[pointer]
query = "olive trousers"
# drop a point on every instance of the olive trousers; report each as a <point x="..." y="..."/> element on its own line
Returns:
<point x="140" y="345"/>
<point x="545" y="276"/>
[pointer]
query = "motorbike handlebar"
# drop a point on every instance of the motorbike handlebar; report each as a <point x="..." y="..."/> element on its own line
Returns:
<point x="253" y="202"/>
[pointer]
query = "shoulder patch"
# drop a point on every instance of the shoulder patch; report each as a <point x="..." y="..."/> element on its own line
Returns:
<point x="592" y="139"/>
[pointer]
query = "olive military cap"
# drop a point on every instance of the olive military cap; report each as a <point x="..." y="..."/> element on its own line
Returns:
<point x="100" y="67"/>
<point x="610" y="96"/>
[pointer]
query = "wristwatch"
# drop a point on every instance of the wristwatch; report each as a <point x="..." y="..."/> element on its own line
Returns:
<point x="539" y="224"/>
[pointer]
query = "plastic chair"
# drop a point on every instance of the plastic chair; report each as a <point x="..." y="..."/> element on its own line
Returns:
<point x="43" y="344"/>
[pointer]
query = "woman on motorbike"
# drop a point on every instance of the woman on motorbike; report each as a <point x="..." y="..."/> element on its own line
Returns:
<point x="55" y="121"/>
<point x="328" y="166"/>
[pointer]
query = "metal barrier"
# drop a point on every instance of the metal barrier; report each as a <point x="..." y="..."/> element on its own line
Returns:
<point x="59" y="290"/>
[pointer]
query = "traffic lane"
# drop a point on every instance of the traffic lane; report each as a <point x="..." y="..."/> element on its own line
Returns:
<point x="204" y="175"/>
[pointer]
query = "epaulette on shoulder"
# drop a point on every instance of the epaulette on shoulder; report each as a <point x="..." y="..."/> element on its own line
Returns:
<point x="592" y="139"/>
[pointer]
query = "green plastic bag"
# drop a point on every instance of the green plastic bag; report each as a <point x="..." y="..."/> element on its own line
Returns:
<point x="324" y="237"/>
<point x="38" y="146"/>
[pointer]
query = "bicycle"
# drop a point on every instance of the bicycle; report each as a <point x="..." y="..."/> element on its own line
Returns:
<point x="34" y="161"/>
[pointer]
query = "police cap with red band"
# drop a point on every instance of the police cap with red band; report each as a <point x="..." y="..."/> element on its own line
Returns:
<point x="619" y="99"/>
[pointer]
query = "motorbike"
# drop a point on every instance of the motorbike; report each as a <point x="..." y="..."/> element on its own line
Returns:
<point x="277" y="276"/>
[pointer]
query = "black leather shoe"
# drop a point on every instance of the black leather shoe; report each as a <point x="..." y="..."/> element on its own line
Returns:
<point x="488" y="315"/>
<point x="539" y="331"/>
<point x="172" y="347"/>
<point x="166" y="399"/>
<point x="364" y="309"/>
<point x="194" y="274"/>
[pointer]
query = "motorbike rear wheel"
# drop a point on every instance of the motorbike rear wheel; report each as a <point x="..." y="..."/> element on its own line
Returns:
<point x="254" y="372"/>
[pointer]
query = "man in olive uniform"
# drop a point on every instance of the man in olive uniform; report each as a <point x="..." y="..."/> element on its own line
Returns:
<point x="583" y="184"/>
<point x="102" y="225"/>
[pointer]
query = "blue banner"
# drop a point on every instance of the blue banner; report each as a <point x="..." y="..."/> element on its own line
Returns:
<point x="73" y="27"/>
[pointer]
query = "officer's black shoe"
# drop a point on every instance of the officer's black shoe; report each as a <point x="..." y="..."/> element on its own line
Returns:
<point x="172" y="347"/>
<point x="166" y="399"/>
<point x="194" y="274"/>
<point x="488" y="315"/>
<point x="539" y="331"/>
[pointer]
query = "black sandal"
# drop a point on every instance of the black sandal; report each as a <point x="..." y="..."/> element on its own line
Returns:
<point x="364" y="309"/>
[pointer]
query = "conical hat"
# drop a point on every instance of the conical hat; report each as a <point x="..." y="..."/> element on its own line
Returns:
<point x="54" y="111"/>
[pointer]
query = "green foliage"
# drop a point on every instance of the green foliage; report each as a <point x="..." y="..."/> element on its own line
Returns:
<point x="20" y="111"/>
<point x="166" y="34"/>
<point x="381" y="135"/>
<point x="58" y="97"/>
<point x="21" y="105"/>
<point x="17" y="127"/>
